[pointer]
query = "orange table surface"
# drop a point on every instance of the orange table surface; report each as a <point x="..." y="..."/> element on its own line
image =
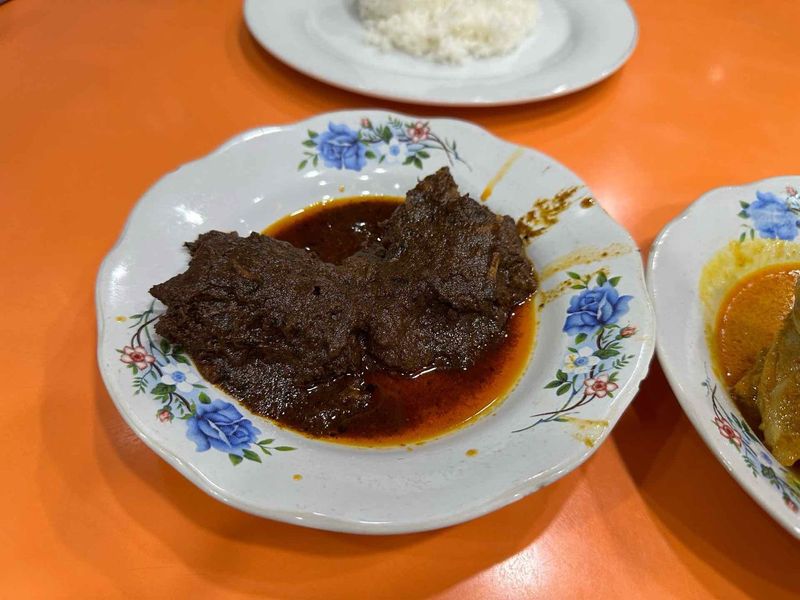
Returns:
<point x="100" y="98"/>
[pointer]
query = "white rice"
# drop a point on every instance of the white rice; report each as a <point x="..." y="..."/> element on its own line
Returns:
<point x="449" y="30"/>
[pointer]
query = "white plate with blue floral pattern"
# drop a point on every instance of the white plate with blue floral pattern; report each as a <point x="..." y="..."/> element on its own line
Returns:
<point x="575" y="44"/>
<point x="748" y="227"/>
<point x="594" y="341"/>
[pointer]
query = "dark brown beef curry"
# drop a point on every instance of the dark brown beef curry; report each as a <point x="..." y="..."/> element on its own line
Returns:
<point x="296" y="337"/>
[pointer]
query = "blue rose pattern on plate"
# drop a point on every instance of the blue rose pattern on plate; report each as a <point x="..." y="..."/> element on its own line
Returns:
<point x="395" y="141"/>
<point x="596" y="351"/>
<point x="594" y="308"/>
<point x="340" y="148"/>
<point x="770" y="216"/>
<point x="753" y="452"/>
<point x="166" y="373"/>
<point x="220" y="426"/>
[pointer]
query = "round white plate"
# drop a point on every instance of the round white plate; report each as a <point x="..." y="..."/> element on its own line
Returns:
<point x="555" y="418"/>
<point x="576" y="43"/>
<point x="677" y="259"/>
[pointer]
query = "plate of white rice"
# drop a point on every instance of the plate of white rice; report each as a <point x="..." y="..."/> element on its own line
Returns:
<point x="449" y="52"/>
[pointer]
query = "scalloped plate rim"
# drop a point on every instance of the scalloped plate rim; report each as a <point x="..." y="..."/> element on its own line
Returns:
<point x="315" y="519"/>
<point x="520" y="98"/>
<point x="685" y="397"/>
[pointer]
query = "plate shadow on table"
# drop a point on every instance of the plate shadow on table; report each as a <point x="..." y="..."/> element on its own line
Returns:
<point x="284" y="560"/>
<point x="705" y="511"/>
<point x="318" y="96"/>
<point x="510" y="531"/>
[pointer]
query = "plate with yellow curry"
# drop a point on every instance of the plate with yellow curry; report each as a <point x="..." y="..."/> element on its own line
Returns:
<point x="724" y="277"/>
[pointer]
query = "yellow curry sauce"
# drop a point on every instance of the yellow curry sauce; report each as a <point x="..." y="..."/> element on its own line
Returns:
<point x="751" y="316"/>
<point x="746" y="290"/>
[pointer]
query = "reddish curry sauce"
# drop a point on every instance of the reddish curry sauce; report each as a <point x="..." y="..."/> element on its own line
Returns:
<point x="410" y="409"/>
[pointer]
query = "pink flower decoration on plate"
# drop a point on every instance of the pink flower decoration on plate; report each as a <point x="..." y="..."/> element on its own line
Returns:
<point x="599" y="386"/>
<point x="137" y="356"/>
<point x="628" y="331"/>
<point x="164" y="415"/>
<point x="728" y="432"/>
<point x="419" y="132"/>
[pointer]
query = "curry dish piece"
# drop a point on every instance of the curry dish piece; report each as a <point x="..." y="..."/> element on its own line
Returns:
<point x="758" y="352"/>
<point x="321" y="333"/>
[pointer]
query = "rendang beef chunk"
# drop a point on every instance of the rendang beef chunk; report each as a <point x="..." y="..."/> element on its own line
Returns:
<point x="292" y="335"/>
<point x="262" y="317"/>
<point x="444" y="280"/>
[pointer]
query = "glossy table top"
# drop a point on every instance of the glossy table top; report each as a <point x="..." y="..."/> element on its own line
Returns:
<point x="101" y="98"/>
